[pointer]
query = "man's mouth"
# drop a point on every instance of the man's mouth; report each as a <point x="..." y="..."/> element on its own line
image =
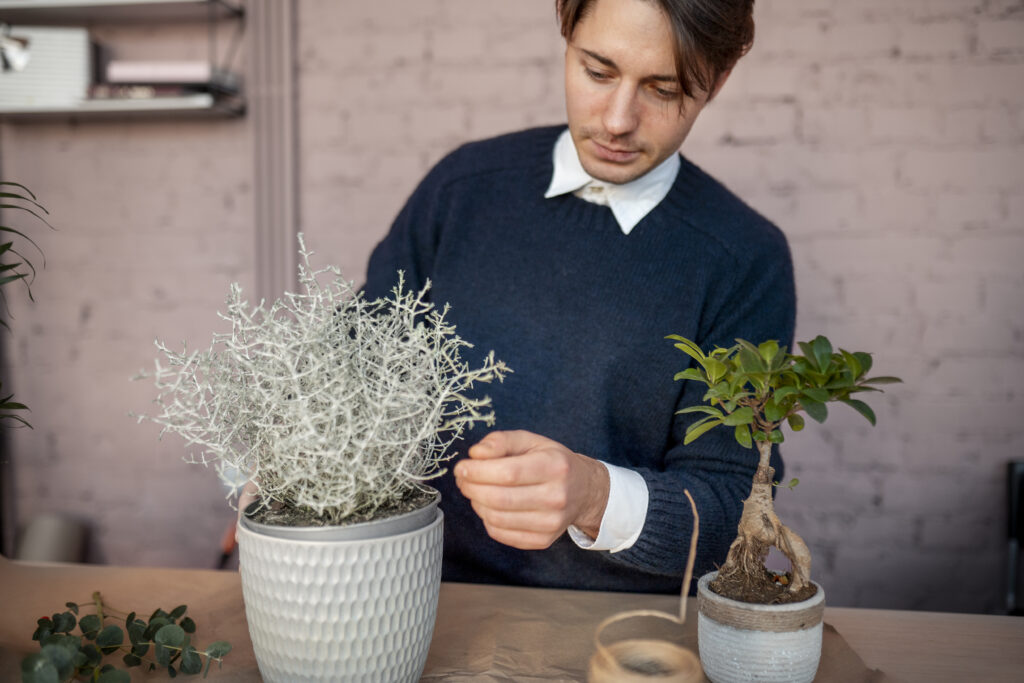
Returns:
<point x="614" y="153"/>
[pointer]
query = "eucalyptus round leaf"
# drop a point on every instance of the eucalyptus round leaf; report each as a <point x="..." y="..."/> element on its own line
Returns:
<point x="218" y="649"/>
<point x="131" y="659"/>
<point x="110" y="638"/>
<point x="37" y="668"/>
<point x="190" y="661"/>
<point x="178" y="612"/>
<point x="64" y="622"/>
<point x="90" y="625"/>
<point x="171" y="635"/>
<point x="188" y="625"/>
<point x="71" y="606"/>
<point x="114" y="676"/>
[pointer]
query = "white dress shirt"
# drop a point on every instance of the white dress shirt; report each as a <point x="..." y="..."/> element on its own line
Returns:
<point x="628" y="497"/>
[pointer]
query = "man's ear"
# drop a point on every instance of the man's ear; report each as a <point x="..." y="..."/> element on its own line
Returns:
<point x="720" y="83"/>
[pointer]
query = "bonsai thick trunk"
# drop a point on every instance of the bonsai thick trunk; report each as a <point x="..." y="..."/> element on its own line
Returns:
<point x="760" y="529"/>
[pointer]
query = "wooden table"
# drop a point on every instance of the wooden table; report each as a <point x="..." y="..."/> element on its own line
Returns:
<point x="501" y="633"/>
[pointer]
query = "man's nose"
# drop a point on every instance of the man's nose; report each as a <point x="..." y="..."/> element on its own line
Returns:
<point x="620" y="115"/>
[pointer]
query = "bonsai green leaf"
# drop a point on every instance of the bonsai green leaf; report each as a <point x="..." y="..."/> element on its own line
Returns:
<point x="742" y="434"/>
<point x="816" y="394"/>
<point x="796" y="422"/>
<point x="772" y="411"/>
<point x="792" y="483"/>
<point x="696" y="430"/>
<point x="776" y="436"/>
<point x="851" y="362"/>
<point x="783" y="392"/>
<point x="768" y="350"/>
<point x="862" y="408"/>
<point x="90" y="625"/>
<point x="114" y="676"/>
<point x="822" y="350"/>
<point x="751" y="361"/>
<point x="741" y="416"/>
<point x="708" y="410"/>
<point x="865" y="361"/>
<point x="883" y="380"/>
<point x="817" y="410"/>
<point x="688" y="347"/>
<point x="37" y="668"/>
<point x="692" y="374"/>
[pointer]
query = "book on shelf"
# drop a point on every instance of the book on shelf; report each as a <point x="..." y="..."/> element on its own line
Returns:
<point x="107" y="91"/>
<point x="193" y="73"/>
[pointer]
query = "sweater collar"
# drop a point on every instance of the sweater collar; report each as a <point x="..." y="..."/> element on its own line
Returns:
<point x="629" y="202"/>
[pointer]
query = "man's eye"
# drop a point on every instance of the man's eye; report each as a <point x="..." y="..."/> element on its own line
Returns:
<point x="596" y="75"/>
<point x="666" y="94"/>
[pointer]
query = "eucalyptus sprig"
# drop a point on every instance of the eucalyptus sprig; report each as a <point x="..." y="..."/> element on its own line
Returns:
<point x="164" y="640"/>
<point x="754" y="389"/>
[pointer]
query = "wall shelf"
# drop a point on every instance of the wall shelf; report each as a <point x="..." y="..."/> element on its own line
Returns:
<point x="142" y="12"/>
<point x="52" y="12"/>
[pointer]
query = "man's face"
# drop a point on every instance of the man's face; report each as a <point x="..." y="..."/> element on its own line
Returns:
<point x="622" y="95"/>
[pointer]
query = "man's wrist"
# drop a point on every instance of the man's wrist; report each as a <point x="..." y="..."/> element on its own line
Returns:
<point x="597" y="484"/>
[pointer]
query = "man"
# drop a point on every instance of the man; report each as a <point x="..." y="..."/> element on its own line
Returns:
<point x="572" y="253"/>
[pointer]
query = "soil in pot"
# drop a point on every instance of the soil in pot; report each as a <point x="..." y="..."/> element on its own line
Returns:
<point x="280" y="514"/>
<point x="761" y="588"/>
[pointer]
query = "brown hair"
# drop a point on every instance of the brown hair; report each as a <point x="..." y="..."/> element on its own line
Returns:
<point x="711" y="35"/>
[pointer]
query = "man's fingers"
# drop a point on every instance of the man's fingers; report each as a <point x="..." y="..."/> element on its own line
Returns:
<point x="543" y="523"/>
<point x="525" y="470"/>
<point x="523" y="540"/>
<point x="516" y="498"/>
<point x="501" y="444"/>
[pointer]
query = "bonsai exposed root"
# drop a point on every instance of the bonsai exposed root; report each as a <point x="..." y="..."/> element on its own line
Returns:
<point x="743" y="575"/>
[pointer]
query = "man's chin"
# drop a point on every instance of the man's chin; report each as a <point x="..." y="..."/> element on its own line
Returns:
<point x="617" y="174"/>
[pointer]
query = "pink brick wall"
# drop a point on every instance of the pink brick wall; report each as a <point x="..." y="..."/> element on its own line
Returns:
<point x="885" y="137"/>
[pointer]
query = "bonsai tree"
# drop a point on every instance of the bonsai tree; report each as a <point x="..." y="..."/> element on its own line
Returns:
<point x="754" y="390"/>
<point x="335" y="407"/>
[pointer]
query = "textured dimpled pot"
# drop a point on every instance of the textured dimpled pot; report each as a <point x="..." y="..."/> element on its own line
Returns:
<point x="740" y="641"/>
<point x="357" y="606"/>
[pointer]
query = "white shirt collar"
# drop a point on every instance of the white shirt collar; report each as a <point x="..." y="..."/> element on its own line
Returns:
<point x="629" y="202"/>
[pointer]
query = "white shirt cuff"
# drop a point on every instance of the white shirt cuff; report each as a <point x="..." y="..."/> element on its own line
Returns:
<point x="624" y="515"/>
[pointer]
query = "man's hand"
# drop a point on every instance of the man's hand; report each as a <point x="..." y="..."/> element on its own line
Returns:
<point x="528" y="489"/>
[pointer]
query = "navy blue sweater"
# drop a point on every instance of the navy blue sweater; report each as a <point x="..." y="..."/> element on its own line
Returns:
<point x="580" y="311"/>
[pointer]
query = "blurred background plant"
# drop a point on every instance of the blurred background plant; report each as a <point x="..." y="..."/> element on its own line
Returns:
<point x="16" y="267"/>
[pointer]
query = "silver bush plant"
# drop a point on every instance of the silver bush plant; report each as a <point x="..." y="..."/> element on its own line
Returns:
<point x="326" y="401"/>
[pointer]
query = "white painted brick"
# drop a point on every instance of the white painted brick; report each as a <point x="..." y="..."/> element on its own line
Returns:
<point x="909" y="124"/>
<point x="871" y="40"/>
<point x="964" y="211"/>
<point x="935" y="40"/>
<point x="828" y="211"/>
<point x="996" y="124"/>
<point x="834" y="127"/>
<point x="1001" y="37"/>
<point x="977" y="169"/>
<point x="439" y="124"/>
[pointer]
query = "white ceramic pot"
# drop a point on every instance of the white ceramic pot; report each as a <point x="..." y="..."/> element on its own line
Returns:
<point x="354" y="603"/>
<point x="740" y="641"/>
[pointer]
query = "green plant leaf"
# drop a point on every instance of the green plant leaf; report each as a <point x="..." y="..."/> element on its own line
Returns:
<point x="37" y="668"/>
<point x="61" y="658"/>
<point x="90" y="625"/>
<point x="64" y="622"/>
<point x="865" y="361"/>
<point x="171" y="634"/>
<point x="691" y="374"/>
<point x="776" y="436"/>
<point x="114" y="676"/>
<point x="742" y="435"/>
<point x="883" y="380"/>
<point x="741" y="416"/>
<point x="816" y="394"/>
<point x="188" y="625"/>
<point x="218" y="649"/>
<point x="768" y="350"/>
<point x="190" y="661"/>
<point x="131" y="659"/>
<point x="862" y="408"/>
<point x="707" y="410"/>
<point x="178" y="612"/>
<point x="110" y="638"/>
<point x="822" y="350"/>
<point x="796" y="422"/>
<point x="772" y="412"/>
<point x="695" y="431"/>
<point x="72" y="606"/>
<point x="817" y="410"/>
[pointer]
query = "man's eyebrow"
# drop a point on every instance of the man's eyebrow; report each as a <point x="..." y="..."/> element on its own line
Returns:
<point x="612" y="65"/>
